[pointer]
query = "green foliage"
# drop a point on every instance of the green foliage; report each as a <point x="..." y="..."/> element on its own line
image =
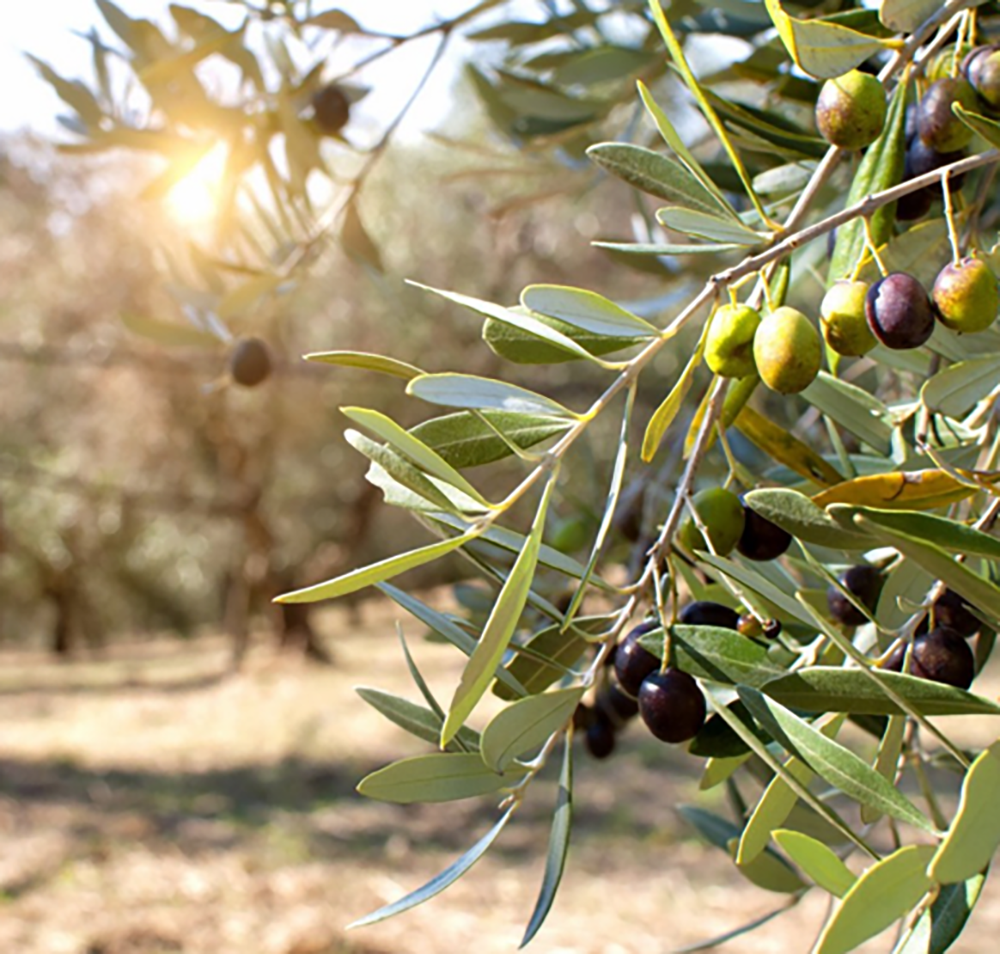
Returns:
<point x="891" y="457"/>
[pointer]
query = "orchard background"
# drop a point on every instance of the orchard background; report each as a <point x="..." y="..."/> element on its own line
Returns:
<point x="680" y="316"/>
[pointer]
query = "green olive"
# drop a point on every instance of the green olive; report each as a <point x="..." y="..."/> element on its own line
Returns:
<point x="722" y="514"/>
<point x="787" y="350"/>
<point x="851" y="110"/>
<point x="729" y="343"/>
<point x="842" y="316"/>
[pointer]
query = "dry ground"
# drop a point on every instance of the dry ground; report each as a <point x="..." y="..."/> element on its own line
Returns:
<point x="149" y="806"/>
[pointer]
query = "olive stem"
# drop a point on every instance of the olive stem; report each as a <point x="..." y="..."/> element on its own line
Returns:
<point x="724" y="279"/>
<point x="866" y="224"/>
<point x="712" y="413"/>
<point x="949" y="217"/>
<point x="927" y="790"/>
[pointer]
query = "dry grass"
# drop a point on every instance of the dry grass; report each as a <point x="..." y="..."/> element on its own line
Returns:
<point x="149" y="806"/>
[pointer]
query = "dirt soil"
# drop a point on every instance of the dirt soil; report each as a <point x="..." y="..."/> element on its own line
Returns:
<point x="151" y="803"/>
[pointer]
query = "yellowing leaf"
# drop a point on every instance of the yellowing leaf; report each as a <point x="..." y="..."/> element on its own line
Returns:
<point x="376" y="572"/>
<point x="785" y="448"/>
<point x="822" y="49"/>
<point x="909" y="490"/>
<point x="664" y="415"/>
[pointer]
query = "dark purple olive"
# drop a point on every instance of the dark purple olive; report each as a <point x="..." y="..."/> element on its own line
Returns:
<point x="895" y="660"/>
<point x="250" y="362"/>
<point x="914" y="205"/>
<point x="954" y="613"/>
<point x="599" y="738"/>
<point x="331" y="109"/>
<point x="672" y="705"/>
<point x="583" y="716"/>
<point x="616" y="704"/>
<point x="707" y="613"/>
<point x="761" y="539"/>
<point x="632" y="662"/>
<point x="899" y="311"/>
<point x="921" y="159"/>
<point x="772" y="628"/>
<point x="864" y="583"/>
<point x="943" y="656"/>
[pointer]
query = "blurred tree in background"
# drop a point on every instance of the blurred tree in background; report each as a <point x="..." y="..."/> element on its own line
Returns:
<point x="220" y="185"/>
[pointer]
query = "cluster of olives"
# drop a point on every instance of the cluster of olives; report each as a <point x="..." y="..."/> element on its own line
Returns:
<point x="897" y="311"/>
<point x="935" y="136"/>
<point x="668" y="700"/>
<point x="851" y="111"/>
<point x="783" y="346"/>
<point x="940" y="651"/>
<point x="730" y="524"/>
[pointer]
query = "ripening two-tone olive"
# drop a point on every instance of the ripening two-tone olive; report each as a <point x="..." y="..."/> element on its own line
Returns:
<point x="750" y="626"/>
<point x="843" y="319"/>
<point x="899" y="311"/>
<point x="672" y="706"/>
<point x="937" y="125"/>
<point x="721" y="513"/>
<point x="250" y="362"/>
<point x="982" y="67"/>
<point x="851" y="110"/>
<point x="864" y="583"/>
<point x="787" y="351"/>
<point x="966" y="296"/>
<point x="729" y="342"/>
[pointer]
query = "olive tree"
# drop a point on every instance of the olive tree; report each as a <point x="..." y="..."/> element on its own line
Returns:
<point x="819" y="553"/>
